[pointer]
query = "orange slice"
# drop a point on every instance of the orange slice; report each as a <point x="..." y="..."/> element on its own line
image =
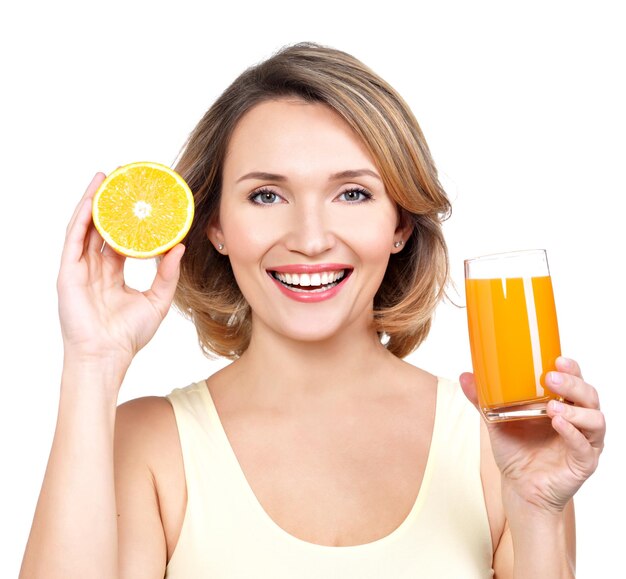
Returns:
<point x="143" y="209"/>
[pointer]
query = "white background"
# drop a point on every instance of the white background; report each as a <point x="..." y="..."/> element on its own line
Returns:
<point x="522" y="104"/>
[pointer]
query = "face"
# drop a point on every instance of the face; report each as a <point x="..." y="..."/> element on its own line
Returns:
<point x="305" y="221"/>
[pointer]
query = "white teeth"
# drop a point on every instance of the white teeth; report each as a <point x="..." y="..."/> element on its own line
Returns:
<point x="307" y="280"/>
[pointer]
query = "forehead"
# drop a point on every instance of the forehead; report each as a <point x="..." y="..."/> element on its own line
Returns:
<point x="291" y="134"/>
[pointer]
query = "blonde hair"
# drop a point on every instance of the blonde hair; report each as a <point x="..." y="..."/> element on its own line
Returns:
<point x="416" y="276"/>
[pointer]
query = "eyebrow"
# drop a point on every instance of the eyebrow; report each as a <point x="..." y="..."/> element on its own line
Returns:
<point x="350" y="173"/>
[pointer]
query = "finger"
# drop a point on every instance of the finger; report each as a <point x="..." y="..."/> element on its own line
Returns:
<point x="574" y="389"/>
<point x="569" y="366"/>
<point x="78" y="227"/>
<point x="582" y="453"/>
<point x="113" y="263"/>
<point x="590" y="422"/>
<point x="468" y="385"/>
<point x="88" y="195"/>
<point x="163" y="287"/>
<point x="94" y="243"/>
<point x="107" y="251"/>
<point x="77" y="235"/>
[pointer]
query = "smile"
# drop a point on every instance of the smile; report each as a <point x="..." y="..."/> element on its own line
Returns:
<point x="312" y="284"/>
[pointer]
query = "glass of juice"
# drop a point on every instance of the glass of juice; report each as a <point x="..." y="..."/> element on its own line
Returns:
<point x="513" y="330"/>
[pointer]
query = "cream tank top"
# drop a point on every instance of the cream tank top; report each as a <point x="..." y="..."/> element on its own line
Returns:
<point x="226" y="533"/>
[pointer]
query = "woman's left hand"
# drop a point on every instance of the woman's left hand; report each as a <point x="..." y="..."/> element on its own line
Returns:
<point x="545" y="461"/>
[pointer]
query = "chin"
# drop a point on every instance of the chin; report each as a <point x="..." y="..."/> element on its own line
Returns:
<point x="317" y="329"/>
<point x="311" y="337"/>
<point x="315" y="323"/>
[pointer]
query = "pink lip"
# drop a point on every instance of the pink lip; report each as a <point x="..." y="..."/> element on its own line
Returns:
<point x="313" y="297"/>
<point x="315" y="268"/>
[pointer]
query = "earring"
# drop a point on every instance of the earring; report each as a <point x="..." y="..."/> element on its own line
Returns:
<point x="220" y="246"/>
<point x="398" y="243"/>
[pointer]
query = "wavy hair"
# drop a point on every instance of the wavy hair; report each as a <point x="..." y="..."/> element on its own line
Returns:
<point x="416" y="277"/>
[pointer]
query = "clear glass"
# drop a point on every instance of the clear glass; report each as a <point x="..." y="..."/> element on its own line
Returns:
<point x="513" y="330"/>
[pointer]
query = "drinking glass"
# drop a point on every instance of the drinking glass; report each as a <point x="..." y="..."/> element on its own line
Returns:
<point x="513" y="330"/>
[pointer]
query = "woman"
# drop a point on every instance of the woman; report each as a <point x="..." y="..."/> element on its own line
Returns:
<point x="315" y="262"/>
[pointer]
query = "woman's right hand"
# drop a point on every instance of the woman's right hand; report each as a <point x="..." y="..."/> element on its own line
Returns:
<point x="104" y="321"/>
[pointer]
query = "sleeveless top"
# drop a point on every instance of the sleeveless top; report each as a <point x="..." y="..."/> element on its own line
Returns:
<point x="226" y="533"/>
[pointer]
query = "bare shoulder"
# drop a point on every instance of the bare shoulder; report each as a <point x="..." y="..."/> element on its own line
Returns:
<point x="147" y="422"/>
<point x="146" y="433"/>
<point x="411" y="375"/>
<point x="150" y="481"/>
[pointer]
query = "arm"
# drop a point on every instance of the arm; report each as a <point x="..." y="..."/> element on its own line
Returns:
<point x="541" y="547"/>
<point x="542" y="463"/>
<point x="74" y="528"/>
<point x="535" y="545"/>
<point x="539" y="550"/>
<point x="104" y="323"/>
<point x="149" y="486"/>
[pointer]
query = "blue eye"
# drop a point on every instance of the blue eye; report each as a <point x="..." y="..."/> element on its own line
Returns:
<point x="356" y="195"/>
<point x="264" y="197"/>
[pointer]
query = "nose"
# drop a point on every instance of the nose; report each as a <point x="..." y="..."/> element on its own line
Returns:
<point x="310" y="231"/>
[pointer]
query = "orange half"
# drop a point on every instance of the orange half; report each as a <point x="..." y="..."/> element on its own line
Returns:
<point x="143" y="209"/>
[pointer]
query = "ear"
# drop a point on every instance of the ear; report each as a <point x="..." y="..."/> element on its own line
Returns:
<point x="216" y="236"/>
<point x="403" y="231"/>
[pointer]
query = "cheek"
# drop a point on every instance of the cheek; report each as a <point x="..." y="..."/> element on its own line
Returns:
<point x="248" y="239"/>
<point x="247" y="234"/>
<point x="371" y="235"/>
<point x="247" y="243"/>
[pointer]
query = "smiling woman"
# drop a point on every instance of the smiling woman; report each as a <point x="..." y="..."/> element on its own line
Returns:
<point x="315" y="262"/>
<point x="393" y="156"/>
<point x="316" y="218"/>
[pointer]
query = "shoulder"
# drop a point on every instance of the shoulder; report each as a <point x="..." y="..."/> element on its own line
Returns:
<point x="150" y="422"/>
<point x="407" y="374"/>
<point x="145" y="422"/>
<point x="150" y="475"/>
<point x="146" y="438"/>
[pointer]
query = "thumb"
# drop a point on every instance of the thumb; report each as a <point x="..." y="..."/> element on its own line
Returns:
<point x="468" y="385"/>
<point x="163" y="287"/>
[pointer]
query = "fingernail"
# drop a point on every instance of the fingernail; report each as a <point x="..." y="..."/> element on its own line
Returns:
<point x="556" y="406"/>
<point x="556" y="378"/>
<point x="565" y="361"/>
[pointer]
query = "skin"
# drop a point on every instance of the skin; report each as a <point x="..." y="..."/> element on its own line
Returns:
<point x="334" y="374"/>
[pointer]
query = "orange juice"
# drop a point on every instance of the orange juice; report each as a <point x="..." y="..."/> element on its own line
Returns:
<point x="514" y="338"/>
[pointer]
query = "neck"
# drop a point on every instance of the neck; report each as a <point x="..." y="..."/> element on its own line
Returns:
<point x="282" y="367"/>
